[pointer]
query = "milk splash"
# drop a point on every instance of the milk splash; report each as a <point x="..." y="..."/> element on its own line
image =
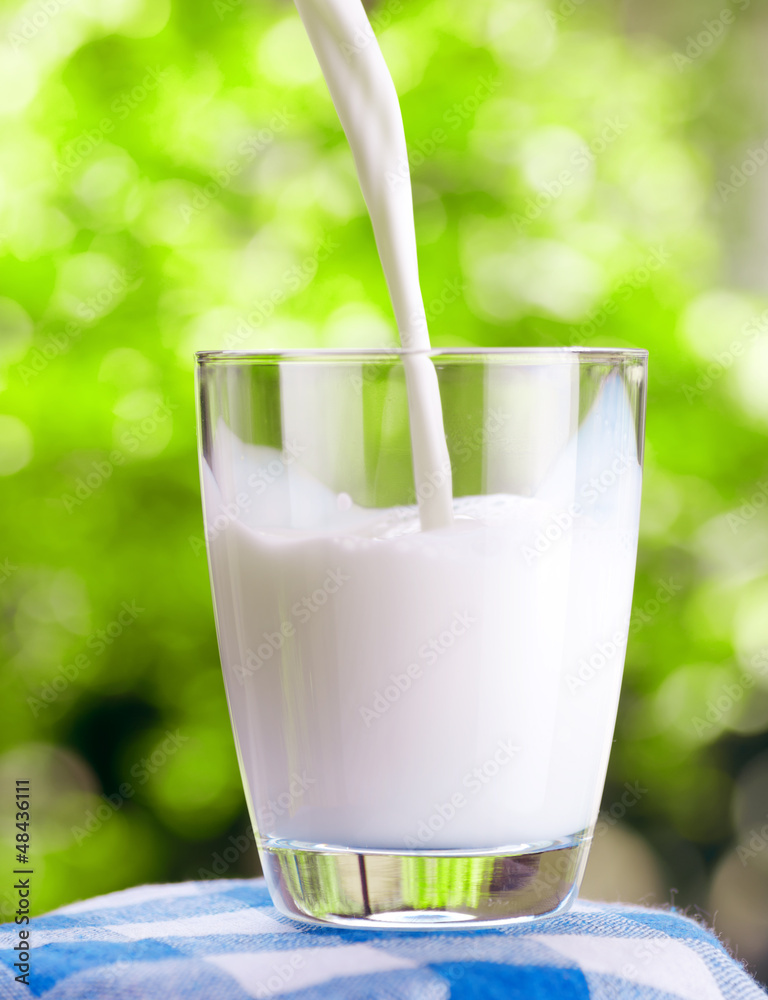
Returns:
<point x="366" y="102"/>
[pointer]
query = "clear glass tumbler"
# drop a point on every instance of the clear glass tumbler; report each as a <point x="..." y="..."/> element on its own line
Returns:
<point x="423" y="718"/>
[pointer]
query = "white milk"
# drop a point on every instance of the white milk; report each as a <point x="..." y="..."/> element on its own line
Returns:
<point x="365" y="99"/>
<point x="395" y="689"/>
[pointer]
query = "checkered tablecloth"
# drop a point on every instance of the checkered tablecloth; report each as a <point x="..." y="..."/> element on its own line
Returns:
<point x="223" y="940"/>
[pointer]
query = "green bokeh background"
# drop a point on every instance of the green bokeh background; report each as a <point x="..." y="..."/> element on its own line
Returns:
<point x="170" y="178"/>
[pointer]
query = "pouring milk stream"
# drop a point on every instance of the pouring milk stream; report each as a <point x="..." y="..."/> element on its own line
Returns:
<point x="366" y="102"/>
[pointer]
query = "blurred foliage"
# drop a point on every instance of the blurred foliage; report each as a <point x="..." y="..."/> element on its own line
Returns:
<point x="175" y="178"/>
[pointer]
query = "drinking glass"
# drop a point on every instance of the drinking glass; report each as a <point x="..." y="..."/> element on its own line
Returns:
<point x="422" y="718"/>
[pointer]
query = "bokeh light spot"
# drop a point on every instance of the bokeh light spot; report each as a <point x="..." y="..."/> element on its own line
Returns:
<point x="16" y="445"/>
<point x="285" y="55"/>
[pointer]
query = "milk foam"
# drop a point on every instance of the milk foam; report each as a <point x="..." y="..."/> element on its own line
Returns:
<point x="366" y="101"/>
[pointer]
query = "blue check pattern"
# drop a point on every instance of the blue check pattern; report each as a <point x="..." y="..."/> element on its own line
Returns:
<point x="223" y="940"/>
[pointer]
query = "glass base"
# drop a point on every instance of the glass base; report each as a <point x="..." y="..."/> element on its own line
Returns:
<point x="422" y="889"/>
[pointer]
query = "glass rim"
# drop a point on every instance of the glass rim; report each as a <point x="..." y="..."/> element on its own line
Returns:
<point x="368" y="353"/>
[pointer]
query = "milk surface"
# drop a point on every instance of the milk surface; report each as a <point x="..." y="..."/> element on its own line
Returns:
<point x="405" y="690"/>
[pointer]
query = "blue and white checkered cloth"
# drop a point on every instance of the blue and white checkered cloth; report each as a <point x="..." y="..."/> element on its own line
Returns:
<point x="223" y="940"/>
